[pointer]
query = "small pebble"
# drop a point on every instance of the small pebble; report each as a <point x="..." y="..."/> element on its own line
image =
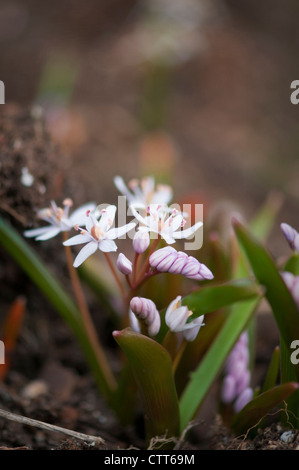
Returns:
<point x="34" y="389"/>
<point x="26" y="177"/>
<point x="287" y="436"/>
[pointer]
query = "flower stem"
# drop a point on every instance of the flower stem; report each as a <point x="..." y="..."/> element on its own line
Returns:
<point x="115" y="275"/>
<point x="86" y="318"/>
<point x="146" y="264"/>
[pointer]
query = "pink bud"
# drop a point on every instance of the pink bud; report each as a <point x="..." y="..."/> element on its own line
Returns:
<point x="290" y="234"/>
<point x="191" y="268"/>
<point x="243" y="381"/>
<point x="228" y="390"/>
<point x="243" y="399"/>
<point x="160" y="255"/>
<point x="146" y="311"/>
<point x="124" y="264"/>
<point x="179" y="263"/>
<point x="141" y="242"/>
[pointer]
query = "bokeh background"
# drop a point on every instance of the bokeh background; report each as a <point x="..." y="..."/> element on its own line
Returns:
<point x="195" y="91"/>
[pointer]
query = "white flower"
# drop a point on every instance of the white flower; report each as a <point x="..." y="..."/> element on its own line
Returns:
<point x="176" y="318"/>
<point x="141" y="194"/>
<point x="98" y="235"/>
<point x="164" y="223"/>
<point x="59" y="220"/>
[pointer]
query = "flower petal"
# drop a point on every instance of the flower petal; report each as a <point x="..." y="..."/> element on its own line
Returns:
<point x="78" y="239"/>
<point x="188" y="232"/>
<point x="79" y="216"/>
<point x="107" y="245"/>
<point x="51" y="232"/>
<point x="120" y="231"/>
<point x="35" y="232"/>
<point x="86" y="251"/>
<point x="107" y="217"/>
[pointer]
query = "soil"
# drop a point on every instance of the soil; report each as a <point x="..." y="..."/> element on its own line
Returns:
<point x="98" y="129"/>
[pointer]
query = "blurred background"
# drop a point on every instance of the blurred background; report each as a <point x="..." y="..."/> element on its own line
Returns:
<point x="195" y="91"/>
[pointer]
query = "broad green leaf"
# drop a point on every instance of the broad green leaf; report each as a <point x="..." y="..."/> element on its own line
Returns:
<point x="204" y="376"/>
<point x="211" y="298"/>
<point x="28" y="260"/>
<point x="278" y="295"/>
<point x="152" y="369"/>
<point x="254" y="412"/>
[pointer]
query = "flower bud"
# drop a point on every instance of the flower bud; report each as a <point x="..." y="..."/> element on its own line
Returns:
<point x="124" y="264"/>
<point x="146" y="311"/>
<point x="170" y="260"/>
<point x="141" y="242"/>
<point x="291" y="235"/>
<point x="228" y="389"/>
<point x="243" y="399"/>
<point x="160" y="255"/>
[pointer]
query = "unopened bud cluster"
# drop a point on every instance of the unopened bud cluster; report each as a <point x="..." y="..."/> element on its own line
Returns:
<point x="236" y="388"/>
<point x="146" y="311"/>
<point x="169" y="260"/>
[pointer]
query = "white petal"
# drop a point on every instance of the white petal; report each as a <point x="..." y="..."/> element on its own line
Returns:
<point x="165" y="235"/>
<point x="86" y="251"/>
<point x="172" y="307"/>
<point x="37" y="231"/>
<point x="139" y="217"/>
<point x="78" y="240"/>
<point x="107" y="245"/>
<point x="118" y="232"/>
<point x="188" y="232"/>
<point x="79" y="215"/>
<point x="107" y="218"/>
<point x="52" y="232"/>
<point x="175" y="222"/>
<point x="121" y="186"/>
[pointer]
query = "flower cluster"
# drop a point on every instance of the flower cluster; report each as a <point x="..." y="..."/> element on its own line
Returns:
<point x="236" y="383"/>
<point x="146" y="311"/>
<point x="152" y="216"/>
<point x="169" y="260"/>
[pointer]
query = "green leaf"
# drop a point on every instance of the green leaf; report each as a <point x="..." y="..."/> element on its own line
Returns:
<point x="211" y="298"/>
<point x="273" y="371"/>
<point x="262" y="224"/>
<point x="202" y="379"/>
<point x="253" y="413"/>
<point x="28" y="260"/>
<point x="152" y="369"/>
<point x="292" y="264"/>
<point x="278" y="295"/>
